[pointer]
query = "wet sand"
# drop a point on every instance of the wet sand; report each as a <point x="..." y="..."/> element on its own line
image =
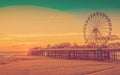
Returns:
<point x="26" y="65"/>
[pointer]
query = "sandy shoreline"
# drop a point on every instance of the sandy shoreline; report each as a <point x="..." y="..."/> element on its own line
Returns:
<point x="28" y="65"/>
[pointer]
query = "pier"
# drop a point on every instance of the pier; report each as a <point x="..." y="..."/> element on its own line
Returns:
<point x="98" y="55"/>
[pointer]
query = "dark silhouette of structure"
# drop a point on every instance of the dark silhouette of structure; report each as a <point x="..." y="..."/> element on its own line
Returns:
<point x="98" y="55"/>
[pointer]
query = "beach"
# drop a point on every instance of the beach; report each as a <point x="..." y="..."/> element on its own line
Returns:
<point x="36" y="65"/>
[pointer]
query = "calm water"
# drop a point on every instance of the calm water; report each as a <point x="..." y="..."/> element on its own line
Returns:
<point x="12" y="53"/>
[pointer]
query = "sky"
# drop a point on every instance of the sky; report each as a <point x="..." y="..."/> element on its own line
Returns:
<point x="29" y="23"/>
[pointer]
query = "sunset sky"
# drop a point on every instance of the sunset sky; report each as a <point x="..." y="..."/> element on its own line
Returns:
<point x="29" y="23"/>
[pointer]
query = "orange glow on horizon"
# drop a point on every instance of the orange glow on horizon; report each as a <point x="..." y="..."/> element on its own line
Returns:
<point x="24" y="27"/>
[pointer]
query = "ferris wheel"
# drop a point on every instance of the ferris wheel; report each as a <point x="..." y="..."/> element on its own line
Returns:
<point x="97" y="29"/>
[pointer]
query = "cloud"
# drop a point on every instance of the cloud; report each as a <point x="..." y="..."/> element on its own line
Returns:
<point x="42" y="35"/>
<point x="6" y="38"/>
<point x="114" y="37"/>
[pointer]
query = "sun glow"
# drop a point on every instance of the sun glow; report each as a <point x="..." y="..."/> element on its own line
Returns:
<point x="25" y="27"/>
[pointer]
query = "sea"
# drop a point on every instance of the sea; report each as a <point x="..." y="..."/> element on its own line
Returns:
<point x="13" y="53"/>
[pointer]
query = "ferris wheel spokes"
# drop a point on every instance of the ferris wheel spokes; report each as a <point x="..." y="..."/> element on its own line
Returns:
<point x="97" y="29"/>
